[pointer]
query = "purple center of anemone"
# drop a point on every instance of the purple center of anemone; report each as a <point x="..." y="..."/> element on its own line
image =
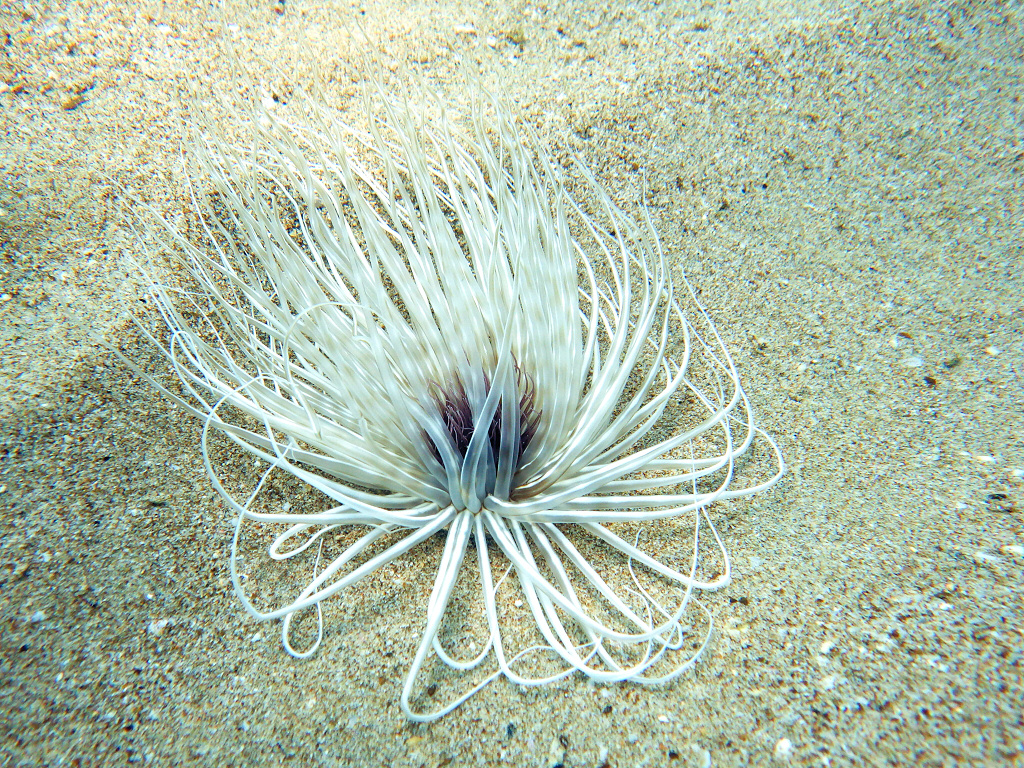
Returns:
<point x="456" y="411"/>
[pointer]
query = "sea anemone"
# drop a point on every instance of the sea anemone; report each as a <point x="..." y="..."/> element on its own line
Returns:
<point x="445" y="333"/>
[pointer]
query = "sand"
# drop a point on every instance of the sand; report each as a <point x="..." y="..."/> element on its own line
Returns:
<point x="843" y="185"/>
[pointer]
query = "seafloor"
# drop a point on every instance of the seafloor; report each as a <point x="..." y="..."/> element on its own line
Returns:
<point x="842" y="183"/>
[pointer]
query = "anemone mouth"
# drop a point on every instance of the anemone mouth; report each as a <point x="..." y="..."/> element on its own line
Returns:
<point x="508" y="432"/>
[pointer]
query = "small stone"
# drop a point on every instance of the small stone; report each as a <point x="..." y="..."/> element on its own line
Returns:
<point x="992" y="351"/>
<point x="783" y="750"/>
<point x="72" y="101"/>
<point x="914" y="362"/>
<point x="157" y="627"/>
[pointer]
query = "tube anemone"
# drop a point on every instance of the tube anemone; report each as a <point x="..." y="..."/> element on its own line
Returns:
<point x="443" y="333"/>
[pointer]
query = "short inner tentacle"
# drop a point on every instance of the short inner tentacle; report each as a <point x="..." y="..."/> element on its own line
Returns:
<point x="506" y="438"/>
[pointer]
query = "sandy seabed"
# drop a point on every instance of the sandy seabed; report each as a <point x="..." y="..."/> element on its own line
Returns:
<point x="843" y="185"/>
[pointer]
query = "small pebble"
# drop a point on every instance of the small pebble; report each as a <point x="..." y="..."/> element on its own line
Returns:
<point x="157" y="627"/>
<point x="703" y="756"/>
<point x="914" y="362"/>
<point x="783" y="750"/>
<point x="37" y="617"/>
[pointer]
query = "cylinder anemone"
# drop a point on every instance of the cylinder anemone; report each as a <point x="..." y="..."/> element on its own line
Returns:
<point x="447" y="334"/>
